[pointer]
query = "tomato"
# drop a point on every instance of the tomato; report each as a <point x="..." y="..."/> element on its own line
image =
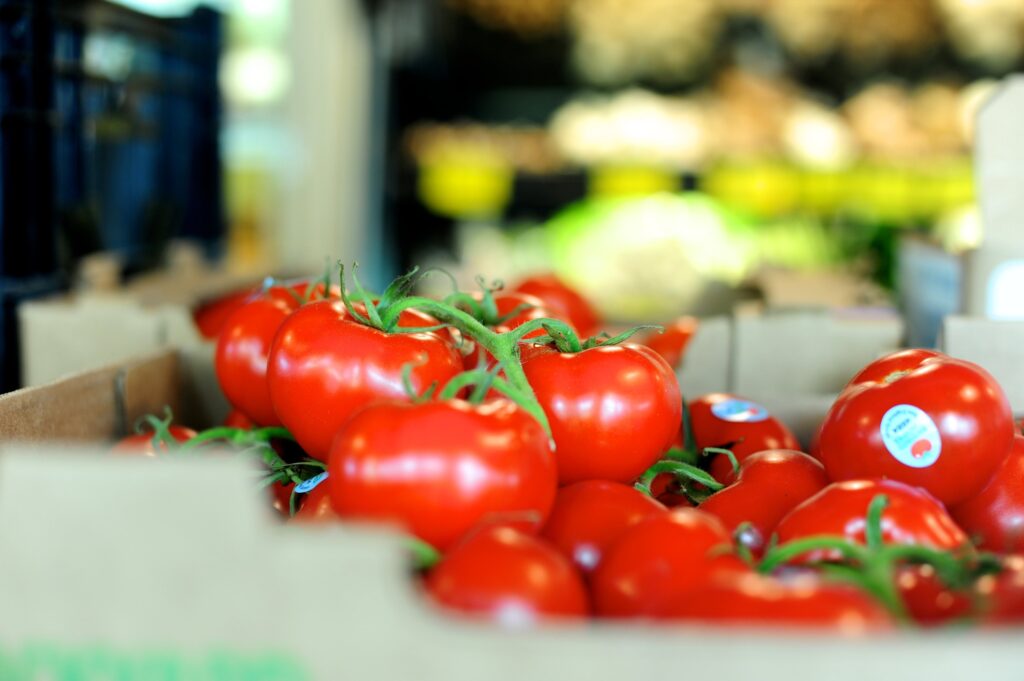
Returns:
<point x="732" y="422"/>
<point x="928" y="601"/>
<point x="236" y="419"/>
<point x="588" y="516"/>
<point x="210" y="317"/>
<point x="769" y="485"/>
<point x="931" y="421"/>
<point x="994" y="518"/>
<point x="567" y="303"/>
<point x="325" y="366"/>
<point x="664" y="557"/>
<point x="801" y="601"/>
<point x="613" y="409"/>
<point x="439" y="468"/>
<point x="1002" y="595"/>
<point x="242" y="350"/>
<point x="281" y="497"/>
<point x="142" y="443"/>
<point x="316" y="507"/>
<point x="508" y="576"/>
<point x="672" y="342"/>
<point x="912" y="517"/>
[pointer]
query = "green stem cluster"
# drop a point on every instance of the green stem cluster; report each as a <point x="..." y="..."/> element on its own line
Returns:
<point x="873" y="565"/>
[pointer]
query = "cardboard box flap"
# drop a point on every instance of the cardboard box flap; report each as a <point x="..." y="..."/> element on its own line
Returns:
<point x="808" y="353"/>
<point x="996" y="345"/>
<point x="186" y="571"/>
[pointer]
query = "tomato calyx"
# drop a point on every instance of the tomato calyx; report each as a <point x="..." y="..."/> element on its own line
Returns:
<point x="873" y="565"/>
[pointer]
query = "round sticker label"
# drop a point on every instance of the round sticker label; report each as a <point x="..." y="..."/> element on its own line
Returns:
<point x="307" y="485"/>
<point x="739" y="411"/>
<point x="910" y="436"/>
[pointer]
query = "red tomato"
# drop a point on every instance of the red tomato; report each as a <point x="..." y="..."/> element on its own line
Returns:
<point x="613" y="409"/>
<point x="994" y="518"/>
<point x="508" y="576"/>
<point x="211" y="316"/>
<point x="671" y="343"/>
<point x="912" y="517"/>
<point x="324" y="367"/>
<point x="316" y="507"/>
<point x="242" y="351"/>
<point x="281" y="497"/>
<point x="801" y="601"/>
<point x="588" y="516"/>
<point x="236" y="419"/>
<point x="1002" y="595"/>
<point x="928" y="601"/>
<point x="142" y="443"/>
<point x="931" y="421"/>
<point x="664" y="557"/>
<point x="732" y="422"/>
<point x="439" y="468"/>
<point x="769" y="485"/>
<point x="564" y="301"/>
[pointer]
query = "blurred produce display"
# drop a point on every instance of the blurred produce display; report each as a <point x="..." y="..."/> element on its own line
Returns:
<point x="757" y="133"/>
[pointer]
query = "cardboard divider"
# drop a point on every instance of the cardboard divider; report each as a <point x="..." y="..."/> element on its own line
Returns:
<point x="996" y="345"/>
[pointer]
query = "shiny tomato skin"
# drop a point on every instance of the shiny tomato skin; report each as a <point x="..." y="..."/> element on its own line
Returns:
<point x="994" y="518"/>
<point x="243" y="347"/>
<point x="512" y="577"/>
<point x="1001" y="596"/>
<point x="564" y="301"/>
<point x="913" y="516"/>
<point x="440" y="468"/>
<point x="769" y="485"/>
<point x="324" y="367"/>
<point x="928" y="601"/>
<point x="664" y="557"/>
<point x="962" y="411"/>
<point x="316" y="507"/>
<point x="671" y="343"/>
<point x="742" y="437"/>
<point x="804" y="601"/>
<point x="142" y="443"/>
<point x="613" y="409"/>
<point x="210" y="317"/>
<point x="588" y="516"/>
<point x="893" y="362"/>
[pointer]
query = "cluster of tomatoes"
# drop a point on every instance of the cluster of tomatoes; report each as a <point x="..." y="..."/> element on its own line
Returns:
<point x="545" y="469"/>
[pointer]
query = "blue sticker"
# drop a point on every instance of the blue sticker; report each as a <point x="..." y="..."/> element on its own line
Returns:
<point x="307" y="485"/>
<point x="910" y="436"/>
<point x="739" y="411"/>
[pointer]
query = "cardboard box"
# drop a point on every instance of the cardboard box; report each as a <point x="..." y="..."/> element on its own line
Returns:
<point x="132" y="568"/>
<point x="793" y="362"/>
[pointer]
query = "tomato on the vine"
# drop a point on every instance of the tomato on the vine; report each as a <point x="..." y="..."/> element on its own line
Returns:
<point x="671" y="343"/>
<point x="324" y="366"/>
<point x="613" y="409"/>
<point x="994" y="517"/>
<point x="509" y="576"/>
<point x="731" y="422"/>
<point x="912" y="516"/>
<point x="922" y="418"/>
<point x="142" y="443"/>
<point x="769" y="485"/>
<point x="210" y="316"/>
<point x="564" y="301"/>
<point x="927" y="600"/>
<point x="663" y="558"/>
<point x="801" y="601"/>
<point x="588" y="516"/>
<point x="440" y="467"/>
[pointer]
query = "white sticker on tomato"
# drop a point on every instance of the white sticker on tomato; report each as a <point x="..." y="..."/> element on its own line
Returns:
<point x="739" y="411"/>
<point x="910" y="436"/>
